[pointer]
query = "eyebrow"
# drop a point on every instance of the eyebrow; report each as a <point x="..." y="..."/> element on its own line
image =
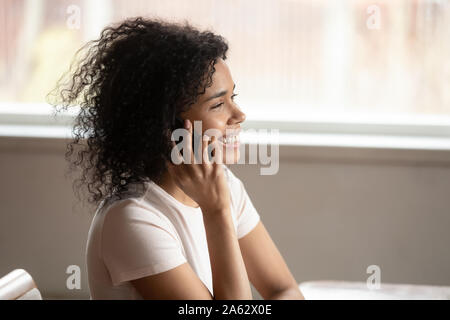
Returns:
<point x="219" y="94"/>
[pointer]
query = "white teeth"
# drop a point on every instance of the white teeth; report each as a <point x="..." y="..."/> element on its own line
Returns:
<point x="231" y="139"/>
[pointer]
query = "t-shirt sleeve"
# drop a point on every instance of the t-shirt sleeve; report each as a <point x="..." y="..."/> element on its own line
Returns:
<point x="137" y="242"/>
<point x="246" y="214"/>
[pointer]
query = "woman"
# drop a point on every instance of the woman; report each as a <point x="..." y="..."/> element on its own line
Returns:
<point x="166" y="231"/>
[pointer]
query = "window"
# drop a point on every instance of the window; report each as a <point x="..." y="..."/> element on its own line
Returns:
<point x="298" y="64"/>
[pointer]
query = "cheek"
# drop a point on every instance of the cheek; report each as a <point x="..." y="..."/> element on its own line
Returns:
<point x="214" y="122"/>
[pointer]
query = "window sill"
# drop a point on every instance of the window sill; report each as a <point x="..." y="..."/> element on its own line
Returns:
<point x="284" y="138"/>
<point x="304" y="147"/>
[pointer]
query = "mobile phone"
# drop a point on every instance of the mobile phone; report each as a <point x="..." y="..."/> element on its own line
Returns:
<point x="179" y="123"/>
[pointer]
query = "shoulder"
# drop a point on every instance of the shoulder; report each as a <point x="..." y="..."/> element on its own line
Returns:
<point x="135" y="223"/>
<point x="128" y="213"/>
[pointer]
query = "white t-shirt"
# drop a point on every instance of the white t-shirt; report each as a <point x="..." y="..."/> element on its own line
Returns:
<point x="151" y="233"/>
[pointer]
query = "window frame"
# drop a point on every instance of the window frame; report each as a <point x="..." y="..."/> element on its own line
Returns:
<point x="418" y="133"/>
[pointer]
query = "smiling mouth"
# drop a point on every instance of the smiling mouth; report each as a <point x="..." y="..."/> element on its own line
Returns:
<point x="230" y="140"/>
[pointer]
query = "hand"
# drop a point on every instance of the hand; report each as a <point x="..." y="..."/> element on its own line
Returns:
<point x="205" y="182"/>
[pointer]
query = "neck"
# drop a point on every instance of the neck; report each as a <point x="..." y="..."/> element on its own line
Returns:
<point x="167" y="183"/>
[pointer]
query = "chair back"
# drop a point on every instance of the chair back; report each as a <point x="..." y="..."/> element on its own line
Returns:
<point x="18" y="285"/>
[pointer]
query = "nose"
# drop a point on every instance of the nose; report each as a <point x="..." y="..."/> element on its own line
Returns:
<point x="238" y="115"/>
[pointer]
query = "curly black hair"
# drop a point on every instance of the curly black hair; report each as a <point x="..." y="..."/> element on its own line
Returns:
<point x="130" y="85"/>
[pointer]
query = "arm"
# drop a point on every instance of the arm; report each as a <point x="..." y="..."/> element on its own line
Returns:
<point x="206" y="184"/>
<point x="287" y="294"/>
<point x="137" y="246"/>
<point x="266" y="267"/>
<point x="230" y="280"/>
<point x="180" y="283"/>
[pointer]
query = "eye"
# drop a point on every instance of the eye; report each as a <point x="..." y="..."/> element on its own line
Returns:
<point x="217" y="106"/>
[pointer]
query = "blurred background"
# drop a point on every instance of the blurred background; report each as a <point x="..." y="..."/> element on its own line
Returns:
<point x="359" y="91"/>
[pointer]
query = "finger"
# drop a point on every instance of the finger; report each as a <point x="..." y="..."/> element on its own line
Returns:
<point x="188" y="157"/>
<point x="205" y="150"/>
<point x="175" y="155"/>
<point x="198" y="147"/>
<point x="217" y="150"/>
<point x="213" y="150"/>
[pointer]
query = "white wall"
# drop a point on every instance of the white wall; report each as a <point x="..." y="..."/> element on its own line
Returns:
<point x="331" y="211"/>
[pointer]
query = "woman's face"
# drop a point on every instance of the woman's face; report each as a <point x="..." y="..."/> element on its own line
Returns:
<point x="217" y="110"/>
